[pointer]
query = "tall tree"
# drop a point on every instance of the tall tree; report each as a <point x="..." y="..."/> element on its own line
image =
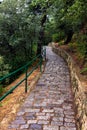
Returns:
<point x="61" y="20"/>
<point x="17" y="32"/>
<point x="40" y="9"/>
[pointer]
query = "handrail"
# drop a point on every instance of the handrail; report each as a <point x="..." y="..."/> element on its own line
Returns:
<point x="25" y="67"/>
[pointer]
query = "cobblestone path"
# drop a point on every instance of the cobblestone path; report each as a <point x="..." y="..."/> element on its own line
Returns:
<point x="50" y="104"/>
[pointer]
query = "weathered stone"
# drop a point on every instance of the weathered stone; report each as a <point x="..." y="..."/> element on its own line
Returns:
<point x="50" y="114"/>
<point x="69" y="113"/>
<point x="58" y="109"/>
<point x="69" y="120"/>
<point x="57" y="119"/>
<point x="18" y="122"/>
<point x="31" y="121"/>
<point x="40" y="114"/>
<point x="31" y="110"/>
<point x="48" y="110"/>
<point x="43" y="117"/>
<point x="69" y="124"/>
<point x="24" y="126"/>
<point x="57" y="123"/>
<point x="67" y="128"/>
<point x="50" y="127"/>
<point x="43" y="122"/>
<point x="36" y="126"/>
<point x="13" y="126"/>
<point x="20" y="113"/>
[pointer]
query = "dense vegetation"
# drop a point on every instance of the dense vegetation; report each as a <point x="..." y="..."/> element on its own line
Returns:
<point x="26" y="25"/>
<point x="70" y="19"/>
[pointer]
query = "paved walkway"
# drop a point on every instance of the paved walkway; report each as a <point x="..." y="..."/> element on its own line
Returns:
<point x="50" y="104"/>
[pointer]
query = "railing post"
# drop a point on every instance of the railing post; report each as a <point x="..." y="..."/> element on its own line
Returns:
<point x="45" y="53"/>
<point x="26" y="80"/>
<point x="40" y="63"/>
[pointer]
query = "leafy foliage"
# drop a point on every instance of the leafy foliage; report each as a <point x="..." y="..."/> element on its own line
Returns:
<point x="17" y="32"/>
<point x="26" y="25"/>
<point x="58" y="36"/>
<point x="82" y="45"/>
<point x="4" y="68"/>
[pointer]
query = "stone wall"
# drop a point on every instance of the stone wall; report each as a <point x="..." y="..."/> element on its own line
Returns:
<point x="79" y="88"/>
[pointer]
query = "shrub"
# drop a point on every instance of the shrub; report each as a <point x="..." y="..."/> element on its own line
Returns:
<point x="58" y="36"/>
<point x="61" y="43"/>
<point x="47" y="38"/>
<point x="55" y="38"/>
<point x="72" y="46"/>
<point x="1" y="90"/>
<point x="4" y="68"/>
<point x="82" y="45"/>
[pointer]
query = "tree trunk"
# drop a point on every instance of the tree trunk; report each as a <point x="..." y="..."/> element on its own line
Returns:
<point x="40" y="42"/>
<point x="39" y="46"/>
<point x="41" y="34"/>
<point x="69" y="37"/>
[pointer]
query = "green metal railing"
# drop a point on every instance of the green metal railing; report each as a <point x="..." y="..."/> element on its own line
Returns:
<point x="27" y="74"/>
